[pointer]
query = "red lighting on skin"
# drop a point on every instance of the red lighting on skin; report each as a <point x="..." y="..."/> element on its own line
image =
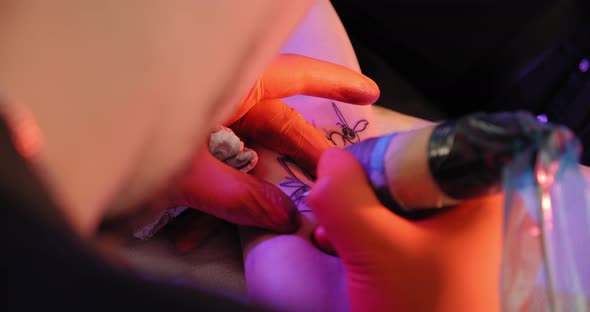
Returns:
<point x="26" y="135"/>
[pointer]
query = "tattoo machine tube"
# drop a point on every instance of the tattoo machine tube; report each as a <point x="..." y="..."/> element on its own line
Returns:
<point x="415" y="173"/>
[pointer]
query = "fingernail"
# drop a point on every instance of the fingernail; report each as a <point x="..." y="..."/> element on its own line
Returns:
<point x="320" y="238"/>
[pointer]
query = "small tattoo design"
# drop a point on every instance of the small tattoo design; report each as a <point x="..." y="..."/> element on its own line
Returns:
<point x="299" y="184"/>
<point x="347" y="134"/>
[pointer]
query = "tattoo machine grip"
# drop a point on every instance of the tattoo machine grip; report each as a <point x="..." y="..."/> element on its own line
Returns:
<point x="371" y="154"/>
<point x="465" y="157"/>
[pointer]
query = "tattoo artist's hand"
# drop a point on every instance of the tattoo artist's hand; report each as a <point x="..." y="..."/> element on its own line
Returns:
<point x="447" y="263"/>
<point x="269" y="122"/>
<point x="262" y="118"/>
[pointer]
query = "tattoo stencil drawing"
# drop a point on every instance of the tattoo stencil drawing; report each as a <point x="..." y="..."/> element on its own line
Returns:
<point x="300" y="184"/>
<point x="347" y="134"/>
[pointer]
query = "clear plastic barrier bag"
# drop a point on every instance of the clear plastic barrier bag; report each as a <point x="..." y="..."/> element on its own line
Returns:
<point x="546" y="251"/>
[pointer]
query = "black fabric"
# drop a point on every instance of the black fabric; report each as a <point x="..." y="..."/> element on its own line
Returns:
<point x="480" y="55"/>
<point x="45" y="266"/>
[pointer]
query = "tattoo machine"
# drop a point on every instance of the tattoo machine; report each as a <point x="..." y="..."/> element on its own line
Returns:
<point x="419" y="172"/>
<point x="546" y="227"/>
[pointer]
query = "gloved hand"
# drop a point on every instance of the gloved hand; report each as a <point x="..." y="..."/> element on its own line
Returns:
<point x="217" y="189"/>
<point x="449" y="262"/>
<point x="268" y="121"/>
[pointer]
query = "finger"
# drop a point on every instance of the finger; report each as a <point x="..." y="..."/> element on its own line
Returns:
<point x="235" y="196"/>
<point x="292" y="74"/>
<point x="347" y="208"/>
<point x="321" y="240"/>
<point x="278" y="127"/>
<point x="192" y="229"/>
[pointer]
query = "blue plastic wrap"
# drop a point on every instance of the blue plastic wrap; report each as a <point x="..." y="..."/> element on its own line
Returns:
<point x="546" y="251"/>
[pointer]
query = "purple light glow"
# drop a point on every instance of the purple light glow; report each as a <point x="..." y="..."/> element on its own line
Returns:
<point x="542" y="118"/>
<point x="584" y="65"/>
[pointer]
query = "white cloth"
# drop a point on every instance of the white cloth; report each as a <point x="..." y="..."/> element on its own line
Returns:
<point x="226" y="146"/>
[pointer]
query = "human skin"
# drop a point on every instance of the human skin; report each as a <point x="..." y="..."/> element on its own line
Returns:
<point x="123" y="93"/>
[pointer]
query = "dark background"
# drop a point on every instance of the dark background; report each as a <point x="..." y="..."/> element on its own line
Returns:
<point x="448" y="58"/>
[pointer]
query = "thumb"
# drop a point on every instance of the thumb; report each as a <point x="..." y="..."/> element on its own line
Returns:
<point x="347" y="208"/>
<point x="446" y="263"/>
<point x="237" y="197"/>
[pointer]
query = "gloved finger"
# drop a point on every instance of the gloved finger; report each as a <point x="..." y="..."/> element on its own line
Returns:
<point x="292" y="74"/>
<point x="191" y="229"/>
<point x="347" y="208"/>
<point x="345" y="205"/>
<point x="278" y="127"/>
<point x="322" y="241"/>
<point x="237" y="197"/>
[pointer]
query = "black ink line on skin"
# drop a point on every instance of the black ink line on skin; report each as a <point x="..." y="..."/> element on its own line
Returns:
<point x="300" y="188"/>
<point x="347" y="134"/>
